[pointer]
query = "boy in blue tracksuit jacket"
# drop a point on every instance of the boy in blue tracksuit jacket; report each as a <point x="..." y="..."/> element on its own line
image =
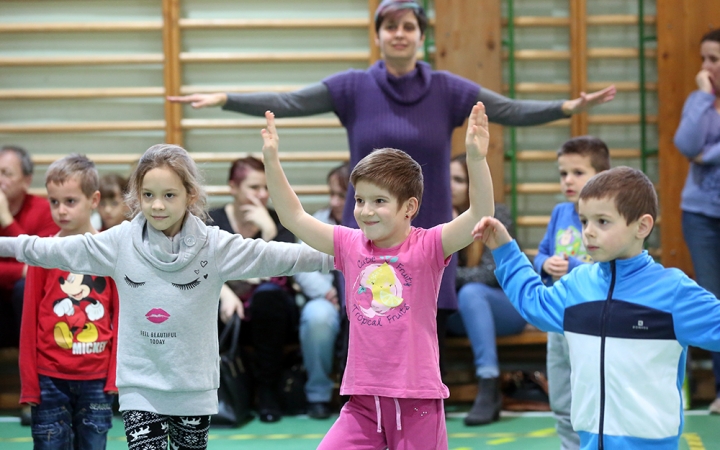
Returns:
<point x="627" y="319"/>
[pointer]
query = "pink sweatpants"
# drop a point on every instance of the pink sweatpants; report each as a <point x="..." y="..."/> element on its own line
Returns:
<point x="377" y="423"/>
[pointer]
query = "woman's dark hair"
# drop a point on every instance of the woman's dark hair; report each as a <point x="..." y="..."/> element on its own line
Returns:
<point x="391" y="7"/>
<point x="240" y="168"/>
<point x="713" y="36"/>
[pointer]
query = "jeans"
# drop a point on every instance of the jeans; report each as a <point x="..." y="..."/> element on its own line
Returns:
<point x="702" y="236"/>
<point x="72" y="414"/>
<point x="485" y="312"/>
<point x="319" y="328"/>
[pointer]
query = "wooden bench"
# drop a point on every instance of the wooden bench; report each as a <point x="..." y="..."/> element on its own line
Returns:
<point x="524" y="350"/>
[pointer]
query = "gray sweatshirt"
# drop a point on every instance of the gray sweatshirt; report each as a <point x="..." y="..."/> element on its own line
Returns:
<point x="167" y="345"/>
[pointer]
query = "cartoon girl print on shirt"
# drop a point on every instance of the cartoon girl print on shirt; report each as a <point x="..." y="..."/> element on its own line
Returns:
<point x="378" y="290"/>
<point x="568" y="242"/>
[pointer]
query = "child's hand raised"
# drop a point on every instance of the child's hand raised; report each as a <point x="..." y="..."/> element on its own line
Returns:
<point x="477" y="138"/>
<point x="270" y="137"/>
<point x="491" y="232"/>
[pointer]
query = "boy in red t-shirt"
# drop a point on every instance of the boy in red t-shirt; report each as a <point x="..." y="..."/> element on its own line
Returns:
<point x="69" y="324"/>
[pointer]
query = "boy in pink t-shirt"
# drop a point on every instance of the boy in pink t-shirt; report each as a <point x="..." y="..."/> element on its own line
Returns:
<point x="392" y="276"/>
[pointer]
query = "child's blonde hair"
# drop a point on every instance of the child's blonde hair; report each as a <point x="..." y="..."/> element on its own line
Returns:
<point x="179" y="161"/>
<point x="393" y="170"/>
<point x="74" y="165"/>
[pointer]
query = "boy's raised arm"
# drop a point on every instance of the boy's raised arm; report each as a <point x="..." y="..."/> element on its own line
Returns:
<point x="310" y="230"/>
<point x="456" y="234"/>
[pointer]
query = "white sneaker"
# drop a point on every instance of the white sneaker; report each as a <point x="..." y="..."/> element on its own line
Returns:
<point x="715" y="406"/>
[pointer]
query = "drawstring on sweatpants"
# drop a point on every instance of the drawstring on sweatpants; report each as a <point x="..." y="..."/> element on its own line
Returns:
<point x="397" y="414"/>
<point x="379" y="414"/>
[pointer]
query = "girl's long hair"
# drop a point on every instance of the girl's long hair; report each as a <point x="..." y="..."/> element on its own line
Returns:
<point x="179" y="161"/>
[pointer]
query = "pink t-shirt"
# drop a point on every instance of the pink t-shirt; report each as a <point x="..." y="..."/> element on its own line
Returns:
<point x="391" y="298"/>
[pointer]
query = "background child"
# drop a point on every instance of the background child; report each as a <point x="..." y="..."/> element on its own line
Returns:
<point x="628" y="320"/>
<point x="67" y="344"/>
<point x="392" y="277"/>
<point x="113" y="210"/>
<point x="171" y="267"/>
<point x="561" y="251"/>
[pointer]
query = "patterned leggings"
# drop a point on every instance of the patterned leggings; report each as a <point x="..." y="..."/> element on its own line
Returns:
<point x="150" y="431"/>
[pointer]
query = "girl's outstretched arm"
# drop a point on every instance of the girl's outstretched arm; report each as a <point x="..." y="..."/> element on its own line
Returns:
<point x="307" y="228"/>
<point x="91" y="254"/>
<point x="456" y="234"/>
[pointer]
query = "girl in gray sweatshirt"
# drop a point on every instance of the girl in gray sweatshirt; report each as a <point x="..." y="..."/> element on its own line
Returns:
<point x="169" y="267"/>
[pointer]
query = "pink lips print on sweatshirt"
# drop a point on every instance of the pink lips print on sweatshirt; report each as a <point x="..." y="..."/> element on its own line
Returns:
<point x="157" y="315"/>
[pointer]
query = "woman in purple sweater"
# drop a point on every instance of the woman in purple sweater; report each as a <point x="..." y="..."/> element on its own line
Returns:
<point x="402" y="103"/>
<point x="698" y="138"/>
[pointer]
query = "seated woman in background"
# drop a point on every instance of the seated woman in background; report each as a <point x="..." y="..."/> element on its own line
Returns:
<point x="268" y="306"/>
<point x="484" y="309"/>
<point x="323" y="315"/>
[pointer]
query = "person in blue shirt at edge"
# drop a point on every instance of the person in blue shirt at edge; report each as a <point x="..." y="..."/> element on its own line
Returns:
<point x="627" y="319"/>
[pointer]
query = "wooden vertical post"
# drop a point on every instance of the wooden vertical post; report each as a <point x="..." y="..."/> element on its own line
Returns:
<point x="680" y="25"/>
<point x="171" y="71"/>
<point x="468" y="43"/>
<point x="578" y="62"/>
<point x="374" y="49"/>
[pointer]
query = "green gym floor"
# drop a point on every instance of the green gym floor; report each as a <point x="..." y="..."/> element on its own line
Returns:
<point x="513" y="432"/>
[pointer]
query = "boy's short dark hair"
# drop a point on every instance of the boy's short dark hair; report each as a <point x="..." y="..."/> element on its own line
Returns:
<point x="590" y="146"/>
<point x="393" y="170"/>
<point x="74" y="165"/>
<point x="632" y="190"/>
<point x="113" y="185"/>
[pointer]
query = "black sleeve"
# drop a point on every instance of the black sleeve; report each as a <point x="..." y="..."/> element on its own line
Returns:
<point x="506" y="111"/>
<point x="313" y="99"/>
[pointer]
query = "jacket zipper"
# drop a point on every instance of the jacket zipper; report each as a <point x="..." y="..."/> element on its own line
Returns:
<point x="601" y="426"/>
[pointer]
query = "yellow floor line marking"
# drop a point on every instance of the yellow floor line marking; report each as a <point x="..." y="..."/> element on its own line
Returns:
<point x="694" y="441"/>
<point x="542" y="433"/>
<point x="501" y="441"/>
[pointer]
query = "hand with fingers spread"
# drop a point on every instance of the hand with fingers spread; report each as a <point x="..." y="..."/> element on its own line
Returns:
<point x="199" y="101"/>
<point x="587" y="101"/>
<point x="491" y="232"/>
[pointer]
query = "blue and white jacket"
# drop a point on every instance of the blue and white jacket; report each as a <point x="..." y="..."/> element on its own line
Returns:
<point x="628" y="324"/>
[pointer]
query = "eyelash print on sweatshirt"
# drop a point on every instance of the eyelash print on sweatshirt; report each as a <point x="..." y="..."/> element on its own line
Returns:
<point x="133" y="284"/>
<point x="190" y="285"/>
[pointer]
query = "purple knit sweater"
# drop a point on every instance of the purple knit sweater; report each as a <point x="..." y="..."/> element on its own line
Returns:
<point x="416" y="113"/>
